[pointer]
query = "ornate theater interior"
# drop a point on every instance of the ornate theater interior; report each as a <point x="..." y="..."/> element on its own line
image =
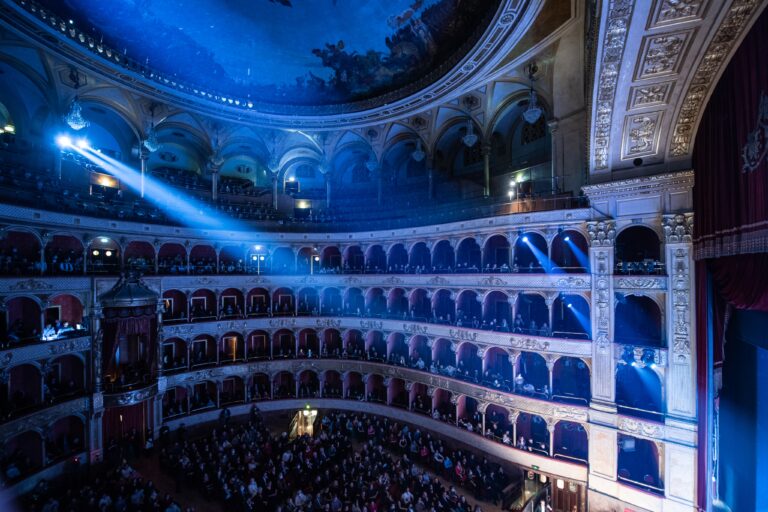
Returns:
<point x="383" y="255"/>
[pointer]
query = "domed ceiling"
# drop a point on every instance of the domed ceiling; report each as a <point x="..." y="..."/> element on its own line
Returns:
<point x="289" y="52"/>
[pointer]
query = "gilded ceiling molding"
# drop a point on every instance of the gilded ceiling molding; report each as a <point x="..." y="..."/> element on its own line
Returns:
<point x="617" y="27"/>
<point x="734" y="25"/>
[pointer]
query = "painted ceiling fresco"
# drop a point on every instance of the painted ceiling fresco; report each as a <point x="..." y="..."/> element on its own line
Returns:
<point x="300" y="52"/>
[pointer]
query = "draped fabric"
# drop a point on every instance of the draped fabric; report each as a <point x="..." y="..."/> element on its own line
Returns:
<point x="118" y="421"/>
<point x="730" y="156"/>
<point x="125" y="322"/>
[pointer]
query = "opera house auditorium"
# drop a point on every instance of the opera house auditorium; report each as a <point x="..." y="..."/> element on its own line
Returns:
<point x="383" y="255"/>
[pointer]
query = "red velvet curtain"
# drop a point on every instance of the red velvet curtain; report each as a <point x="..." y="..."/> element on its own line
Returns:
<point x="731" y="201"/>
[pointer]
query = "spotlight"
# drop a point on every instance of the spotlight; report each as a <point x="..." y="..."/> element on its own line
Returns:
<point x="63" y="141"/>
<point x="634" y="364"/>
<point x="570" y="305"/>
<point x="653" y="366"/>
<point x="82" y="143"/>
<point x="525" y="239"/>
<point x="257" y="247"/>
<point x="104" y="240"/>
<point x="567" y="239"/>
<point x="317" y="258"/>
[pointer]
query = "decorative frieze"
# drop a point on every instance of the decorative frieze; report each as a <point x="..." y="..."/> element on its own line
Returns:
<point x="44" y="418"/>
<point x="38" y="351"/>
<point x="641" y="428"/>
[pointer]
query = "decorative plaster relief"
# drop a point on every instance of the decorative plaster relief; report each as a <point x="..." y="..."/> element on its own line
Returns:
<point x="662" y="54"/>
<point x="652" y="95"/>
<point x="641" y="135"/>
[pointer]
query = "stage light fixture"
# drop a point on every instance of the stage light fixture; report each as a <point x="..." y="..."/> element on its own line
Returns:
<point x="63" y="141"/>
<point x="525" y="239"/>
<point x="567" y="239"/>
<point x="95" y="252"/>
<point x="82" y="143"/>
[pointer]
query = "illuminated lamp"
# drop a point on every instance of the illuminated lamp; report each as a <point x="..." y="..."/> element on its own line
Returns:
<point x="9" y="128"/>
<point x="103" y="240"/>
<point x="108" y="254"/>
<point x="317" y="258"/>
<point x="560" y="484"/>
<point x="254" y="258"/>
<point x="257" y="247"/>
<point x="262" y="258"/>
<point x="95" y="252"/>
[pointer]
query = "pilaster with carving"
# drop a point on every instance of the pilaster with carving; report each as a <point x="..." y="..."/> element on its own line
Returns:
<point x="601" y="237"/>
<point x="681" y="374"/>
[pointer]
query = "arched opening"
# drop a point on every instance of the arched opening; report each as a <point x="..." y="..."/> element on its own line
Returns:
<point x="469" y="365"/>
<point x="396" y="393"/>
<point x="638" y="321"/>
<point x="283" y="261"/>
<point x="419" y="399"/>
<point x="571" y="381"/>
<point x="354" y="344"/>
<point x="442" y="408"/>
<point x="468" y="309"/>
<point x="103" y="256"/>
<point x="532" y="434"/>
<point x="420" y="353"/>
<point x="497" y="370"/>
<point x="420" y="305"/>
<point x="443" y="257"/>
<point x="639" y="392"/>
<point x="330" y="260"/>
<point x="309" y="344"/>
<point x="640" y="462"/>
<point x="354" y="302"/>
<point x="468" y="415"/>
<point x="23" y="317"/>
<point x="231" y="303"/>
<point x="202" y="305"/>
<point x="397" y="350"/>
<point x="258" y="302"/>
<point x="309" y="302"/>
<point x="283" y="344"/>
<point x="531" y="253"/>
<point x="231" y="260"/>
<point x="204" y="397"/>
<point x="232" y="348"/>
<point x="175" y="403"/>
<point x="24" y="390"/>
<point x="309" y="384"/>
<point x="172" y="259"/>
<point x="375" y="389"/>
<point x="307" y="261"/>
<point x="232" y="391"/>
<point x="375" y="260"/>
<point x="284" y="385"/>
<point x="332" y="384"/>
<point x="397" y="304"/>
<point x="140" y="257"/>
<point x="532" y="375"/>
<point x="570" y="318"/>
<point x="174" y="355"/>
<point x="497" y="313"/>
<point x="531" y="315"/>
<point x="63" y="317"/>
<point x="496" y="254"/>
<point x="331" y="302"/>
<point x="331" y="344"/>
<point x="571" y="442"/>
<point x="638" y="251"/>
<point x="497" y="422"/>
<point x="203" y="351"/>
<point x="64" y="379"/>
<point x="420" y="261"/>
<point x="202" y="259"/>
<point x="354" y="260"/>
<point x="260" y="387"/>
<point x="397" y="259"/>
<point x="283" y="302"/>
<point x="64" y="255"/>
<point x="375" y="303"/>
<point x="258" y="345"/>
<point x="353" y="386"/>
<point x="570" y="253"/>
<point x="442" y="354"/>
<point x="468" y="256"/>
<point x="443" y="307"/>
<point x="376" y="346"/>
<point x="23" y="456"/>
<point x="19" y="254"/>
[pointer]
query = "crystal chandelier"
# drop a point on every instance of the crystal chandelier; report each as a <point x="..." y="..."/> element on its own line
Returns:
<point x="470" y="139"/>
<point x="534" y="111"/>
<point x="151" y="142"/>
<point x="74" y="117"/>
<point x="418" y="154"/>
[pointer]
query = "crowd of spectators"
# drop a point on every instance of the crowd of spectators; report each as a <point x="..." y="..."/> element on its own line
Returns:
<point x="389" y="467"/>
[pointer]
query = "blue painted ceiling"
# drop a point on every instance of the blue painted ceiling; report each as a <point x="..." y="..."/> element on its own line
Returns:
<point x="289" y="52"/>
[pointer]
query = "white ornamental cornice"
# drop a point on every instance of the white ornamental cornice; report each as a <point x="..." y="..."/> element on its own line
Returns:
<point x="643" y="185"/>
<point x="646" y="429"/>
<point x="639" y="283"/>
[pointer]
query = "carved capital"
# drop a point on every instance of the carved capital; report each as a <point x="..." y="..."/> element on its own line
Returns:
<point x="678" y="228"/>
<point x="601" y="233"/>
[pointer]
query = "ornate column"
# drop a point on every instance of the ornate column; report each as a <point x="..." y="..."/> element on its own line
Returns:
<point x="555" y="162"/>
<point x="550" y="302"/>
<point x="513" y="421"/>
<point x="214" y="181"/>
<point x="601" y="254"/>
<point x="513" y="362"/>
<point x="45" y="239"/>
<point x="486" y="152"/>
<point x="274" y="190"/>
<point x="550" y="369"/>
<point x="551" y="429"/>
<point x="680" y="383"/>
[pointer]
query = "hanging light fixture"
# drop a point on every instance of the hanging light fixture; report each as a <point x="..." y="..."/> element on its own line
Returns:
<point x="74" y="116"/>
<point x="151" y="142"/>
<point x="534" y="111"/>
<point x="418" y="154"/>
<point x="470" y="139"/>
<point x="371" y="164"/>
